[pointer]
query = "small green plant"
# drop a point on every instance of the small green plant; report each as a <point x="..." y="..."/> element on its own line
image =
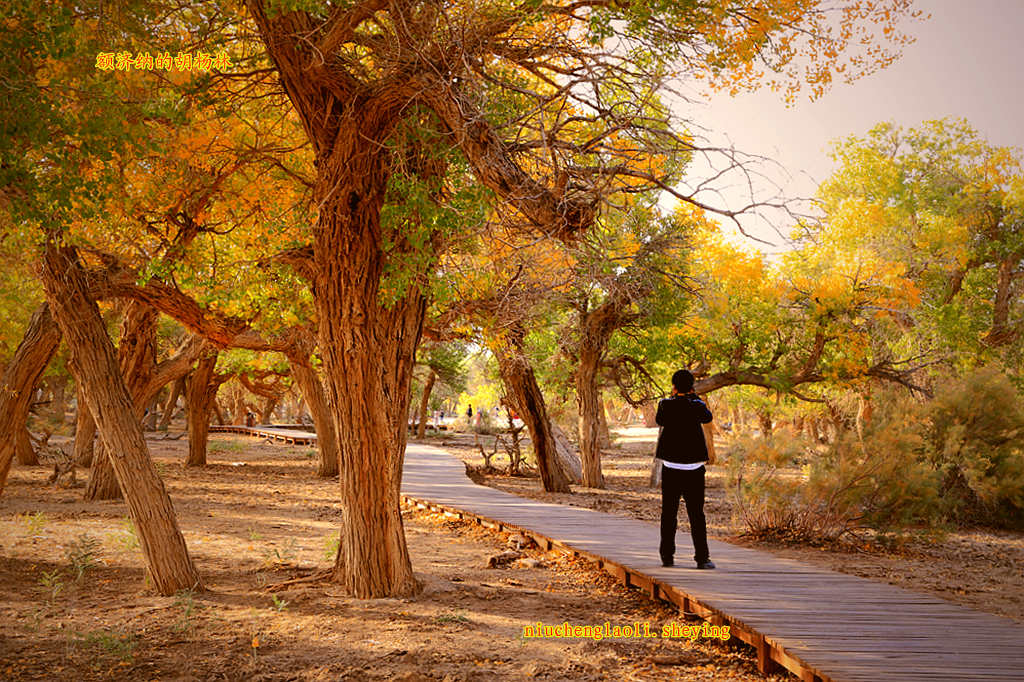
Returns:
<point x="52" y="583"/>
<point x="280" y="555"/>
<point x="183" y="599"/>
<point x="310" y="454"/>
<point x="33" y="523"/>
<point x="451" y="618"/>
<point x="226" y="446"/>
<point x="120" y="644"/>
<point x="130" y="540"/>
<point x="279" y="604"/>
<point x="82" y="554"/>
<point x="331" y="544"/>
<point x="253" y="535"/>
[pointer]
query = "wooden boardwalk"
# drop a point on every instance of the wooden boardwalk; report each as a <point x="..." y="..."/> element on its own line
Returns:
<point x="819" y="624"/>
<point x="288" y="435"/>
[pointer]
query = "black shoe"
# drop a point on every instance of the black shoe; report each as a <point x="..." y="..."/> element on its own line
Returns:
<point x="667" y="562"/>
<point x="705" y="565"/>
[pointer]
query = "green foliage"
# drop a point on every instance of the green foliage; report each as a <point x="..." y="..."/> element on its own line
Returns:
<point x="52" y="583"/>
<point x="82" y="554"/>
<point x="119" y="644"/>
<point x="184" y="600"/>
<point x="279" y="604"/>
<point x="977" y="445"/>
<point x="34" y="523"/>
<point x="956" y="458"/>
<point x="331" y="544"/>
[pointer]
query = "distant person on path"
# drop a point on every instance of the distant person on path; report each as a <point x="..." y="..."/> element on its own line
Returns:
<point x="469" y="411"/>
<point x="683" y="453"/>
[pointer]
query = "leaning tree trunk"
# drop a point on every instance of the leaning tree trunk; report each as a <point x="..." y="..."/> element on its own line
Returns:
<point x="85" y="433"/>
<point x="421" y="429"/>
<point x="136" y="353"/>
<point x="524" y="392"/>
<point x="588" y="397"/>
<point x="95" y="366"/>
<point x="202" y="391"/>
<point x="19" y="381"/>
<point x="312" y="391"/>
<point x="368" y="352"/>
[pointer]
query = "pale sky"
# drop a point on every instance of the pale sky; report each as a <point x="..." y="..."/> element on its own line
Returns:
<point x="966" y="62"/>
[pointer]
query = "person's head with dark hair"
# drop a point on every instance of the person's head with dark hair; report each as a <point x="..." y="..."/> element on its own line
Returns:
<point x="682" y="381"/>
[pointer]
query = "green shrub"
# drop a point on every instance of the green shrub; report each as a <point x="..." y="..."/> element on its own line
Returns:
<point x="976" y="444"/>
<point x="879" y="481"/>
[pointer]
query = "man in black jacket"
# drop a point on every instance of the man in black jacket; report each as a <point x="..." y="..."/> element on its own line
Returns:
<point x="683" y="452"/>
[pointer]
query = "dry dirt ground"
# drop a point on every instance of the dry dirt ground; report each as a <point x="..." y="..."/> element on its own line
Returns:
<point x="74" y="604"/>
<point x="980" y="569"/>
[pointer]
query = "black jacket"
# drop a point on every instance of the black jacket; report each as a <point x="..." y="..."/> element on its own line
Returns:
<point x="682" y="437"/>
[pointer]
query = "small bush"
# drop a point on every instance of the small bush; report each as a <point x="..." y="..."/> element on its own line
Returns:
<point x="878" y="481"/>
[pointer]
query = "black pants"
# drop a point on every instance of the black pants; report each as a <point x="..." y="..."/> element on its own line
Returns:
<point x="689" y="485"/>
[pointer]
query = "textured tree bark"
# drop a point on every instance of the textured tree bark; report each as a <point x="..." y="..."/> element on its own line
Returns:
<point x="171" y="405"/>
<point x="95" y="366"/>
<point x="312" y="391"/>
<point x="368" y="352"/>
<point x="25" y="453"/>
<point x="136" y="354"/>
<point x="421" y="430"/>
<point x="201" y="394"/>
<point x="525" y="393"/>
<point x="19" y="380"/>
<point x="85" y="432"/>
<point x="588" y="397"/>
<point x="102" y="484"/>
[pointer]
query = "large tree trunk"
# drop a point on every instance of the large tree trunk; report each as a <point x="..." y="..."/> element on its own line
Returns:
<point x="85" y="432"/>
<point x="368" y="352"/>
<point x="171" y="405"/>
<point x="19" y="381"/>
<point x="136" y="353"/>
<point x="524" y="392"/>
<point x="588" y="397"/>
<point x="312" y="391"/>
<point x="95" y="366"/>
<point x="202" y="390"/>
<point x="421" y="430"/>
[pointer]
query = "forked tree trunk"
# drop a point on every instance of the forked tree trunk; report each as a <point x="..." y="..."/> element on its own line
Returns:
<point x="202" y="390"/>
<point x="85" y="433"/>
<point x="588" y="397"/>
<point x="266" y="413"/>
<point x="312" y="391"/>
<point x="171" y="405"/>
<point x="95" y="366"/>
<point x="19" y="381"/>
<point x="368" y="352"/>
<point x="421" y="430"/>
<point x="524" y="392"/>
<point x="218" y="411"/>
